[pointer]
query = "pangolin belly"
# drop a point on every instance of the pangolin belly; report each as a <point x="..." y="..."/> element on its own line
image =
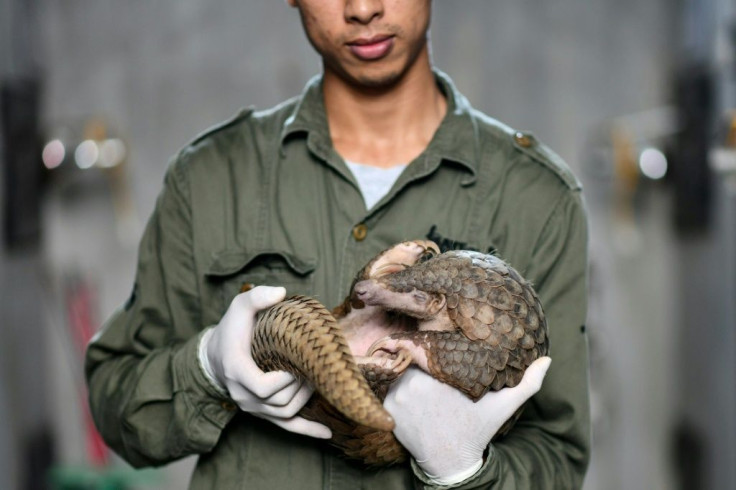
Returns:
<point x="467" y="318"/>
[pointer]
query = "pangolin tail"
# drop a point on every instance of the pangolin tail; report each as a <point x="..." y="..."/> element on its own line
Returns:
<point x="301" y="336"/>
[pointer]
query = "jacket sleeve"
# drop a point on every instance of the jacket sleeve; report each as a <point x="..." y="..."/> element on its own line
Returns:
<point x="147" y="393"/>
<point x="549" y="446"/>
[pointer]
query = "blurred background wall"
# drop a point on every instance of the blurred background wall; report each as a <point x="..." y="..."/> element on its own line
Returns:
<point x="637" y="96"/>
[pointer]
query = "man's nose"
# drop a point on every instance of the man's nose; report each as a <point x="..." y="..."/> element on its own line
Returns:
<point x="363" y="11"/>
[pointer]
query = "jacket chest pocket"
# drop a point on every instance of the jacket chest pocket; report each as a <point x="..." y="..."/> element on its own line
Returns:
<point x="236" y="271"/>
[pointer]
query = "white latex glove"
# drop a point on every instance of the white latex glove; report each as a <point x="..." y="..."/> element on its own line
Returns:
<point x="225" y="354"/>
<point x="444" y="430"/>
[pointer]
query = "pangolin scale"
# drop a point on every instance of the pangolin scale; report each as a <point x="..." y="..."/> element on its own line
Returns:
<point x="301" y="336"/>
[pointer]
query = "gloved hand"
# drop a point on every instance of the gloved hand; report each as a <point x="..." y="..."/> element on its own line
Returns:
<point x="444" y="430"/>
<point x="225" y="355"/>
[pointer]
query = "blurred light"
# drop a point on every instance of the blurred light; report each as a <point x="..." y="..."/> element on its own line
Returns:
<point x="112" y="153"/>
<point x="86" y="154"/>
<point x="53" y="154"/>
<point x="653" y="163"/>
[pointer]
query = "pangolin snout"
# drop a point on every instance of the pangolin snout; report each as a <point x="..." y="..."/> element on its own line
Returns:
<point x="365" y="290"/>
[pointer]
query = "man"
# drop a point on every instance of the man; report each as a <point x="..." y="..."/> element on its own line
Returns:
<point x="268" y="199"/>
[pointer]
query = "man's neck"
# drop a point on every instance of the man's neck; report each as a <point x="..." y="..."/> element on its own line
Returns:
<point x="384" y="127"/>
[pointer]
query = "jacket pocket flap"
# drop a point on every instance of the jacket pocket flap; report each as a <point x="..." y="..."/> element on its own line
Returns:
<point x="230" y="262"/>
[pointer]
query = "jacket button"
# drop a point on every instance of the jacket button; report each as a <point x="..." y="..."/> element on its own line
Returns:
<point x="229" y="406"/>
<point x="523" y="140"/>
<point x="247" y="286"/>
<point x="360" y="231"/>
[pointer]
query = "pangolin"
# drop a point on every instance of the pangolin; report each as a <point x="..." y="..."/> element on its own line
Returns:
<point x="467" y="318"/>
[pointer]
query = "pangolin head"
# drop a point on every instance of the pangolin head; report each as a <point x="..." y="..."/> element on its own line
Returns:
<point x="484" y="296"/>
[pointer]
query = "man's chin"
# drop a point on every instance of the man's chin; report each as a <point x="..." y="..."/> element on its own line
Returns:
<point x="377" y="81"/>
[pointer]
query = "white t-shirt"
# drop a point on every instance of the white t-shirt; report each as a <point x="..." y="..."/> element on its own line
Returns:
<point x="374" y="182"/>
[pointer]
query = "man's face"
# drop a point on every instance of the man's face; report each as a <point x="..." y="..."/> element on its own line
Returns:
<point x="371" y="43"/>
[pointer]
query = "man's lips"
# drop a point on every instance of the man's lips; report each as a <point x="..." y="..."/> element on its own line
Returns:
<point x="371" y="48"/>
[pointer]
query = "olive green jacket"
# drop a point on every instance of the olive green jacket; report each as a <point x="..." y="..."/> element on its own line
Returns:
<point x="265" y="199"/>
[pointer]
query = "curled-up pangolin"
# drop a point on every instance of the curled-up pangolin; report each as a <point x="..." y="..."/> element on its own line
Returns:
<point x="467" y="318"/>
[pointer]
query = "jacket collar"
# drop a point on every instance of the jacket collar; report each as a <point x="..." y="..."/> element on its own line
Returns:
<point x="455" y="139"/>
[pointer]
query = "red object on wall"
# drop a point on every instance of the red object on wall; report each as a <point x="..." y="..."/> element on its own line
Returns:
<point x="80" y="304"/>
